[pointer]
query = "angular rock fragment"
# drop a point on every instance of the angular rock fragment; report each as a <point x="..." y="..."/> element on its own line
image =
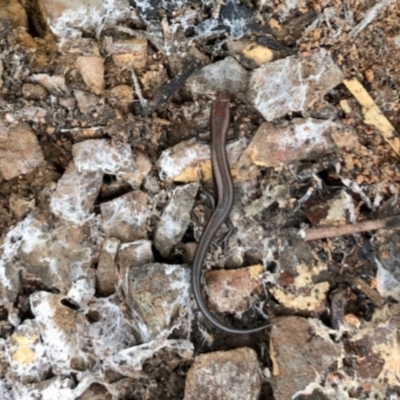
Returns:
<point x="299" y="355"/>
<point x="75" y="194"/>
<point x="226" y="76"/>
<point x="175" y="218"/>
<point x="304" y="139"/>
<point x="230" y="290"/>
<point x="26" y="353"/>
<point x="125" y="217"/>
<point x="131" y="53"/>
<point x="87" y="102"/>
<point x="107" y="271"/>
<point x="92" y="70"/>
<point x="159" y="294"/>
<point x="224" y="375"/>
<point x="292" y="84"/>
<point x="181" y="163"/>
<point x="69" y="19"/>
<point x="102" y="155"/>
<point x="61" y="331"/>
<point x="134" y="254"/>
<point x="129" y="362"/>
<point x="20" y="152"/>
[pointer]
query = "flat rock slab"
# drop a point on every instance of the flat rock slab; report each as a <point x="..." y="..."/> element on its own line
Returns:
<point x="224" y="375"/>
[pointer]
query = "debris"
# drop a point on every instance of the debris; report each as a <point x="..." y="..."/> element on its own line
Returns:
<point x="372" y="115"/>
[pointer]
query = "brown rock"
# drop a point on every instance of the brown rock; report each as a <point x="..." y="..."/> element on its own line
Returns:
<point x="34" y="92"/>
<point x="20" y="152"/>
<point x="130" y="53"/>
<point x="92" y="70"/>
<point x="299" y="356"/>
<point x="107" y="272"/>
<point x="126" y="216"/>
<point x="303" y="140"/>
<point x="229" y="290"/>
<point x="224" y="375"/>
<point x="158" y="293"/>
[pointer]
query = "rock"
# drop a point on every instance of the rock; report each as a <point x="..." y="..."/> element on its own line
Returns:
<point x="20" y="152"/>
<point x="87" y="102"/>
<point x="34" y="92"/>
<point x="91" y="69"/>
<point x="122" y="97"/>
<point x="107" y="271"/>
<point x="53" y="83"/>
<point x="131" y="53"/>
<point x="134" y="253"/>
<point x="102" y="155"/>
<point x="304" y="139"/>
<point x="75" y="194"/>
<point x="224" y="375"/>
<point x="230" y="290"/>
<point x="67" y="19"/>
<point x="159" y="293"/>
<point x="175" y="218"/>
<point x="299" y="355"/>
<point x="125" y="217"/>
<point x="20" y="206"/>
<point x="292" y="84"/>
<point x="143" y="168"/>
<point x="226" y="76"/>
<point x="60" y="329"/>
<point x="181" y="163"/>
<point x="26" y="353"/>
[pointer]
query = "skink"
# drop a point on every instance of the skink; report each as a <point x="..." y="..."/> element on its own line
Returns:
<point x="219" y="121"/>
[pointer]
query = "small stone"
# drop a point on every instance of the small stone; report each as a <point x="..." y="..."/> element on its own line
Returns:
<point x="61" y="330"/>
<point x="159" y="293"/>
<point x="92" y="70"/>
<point x="130" y="53"/>
<point x="304" y="139"/>
<point x="134" y="253"/>
<point x="122" y="97"/>
<point x="20" y="152"/>
<point x="75" y="194"/>
<point x="126" y="216"/>
<point x="224" y="375"/>
<point x="20" y="206"/>
<point x="175" y="218"/>
<point x="299" y="356"/>
<point x="102" y="155"/>
<point x="230" y="290"/>
<point x="26" y="353"/>
<point x="34" y="92"/>
<point x="227" y="76"/>
<point x="107" y="271"/>
<point x="143" y="168"/>
<point x="87" y="102"/>
<point x="68" y="19"/>
<point x="292" y="84"/>
<point x="53" y="83"/>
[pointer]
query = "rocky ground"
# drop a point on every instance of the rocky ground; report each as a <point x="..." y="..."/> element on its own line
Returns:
<point x="102" y="180"/>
